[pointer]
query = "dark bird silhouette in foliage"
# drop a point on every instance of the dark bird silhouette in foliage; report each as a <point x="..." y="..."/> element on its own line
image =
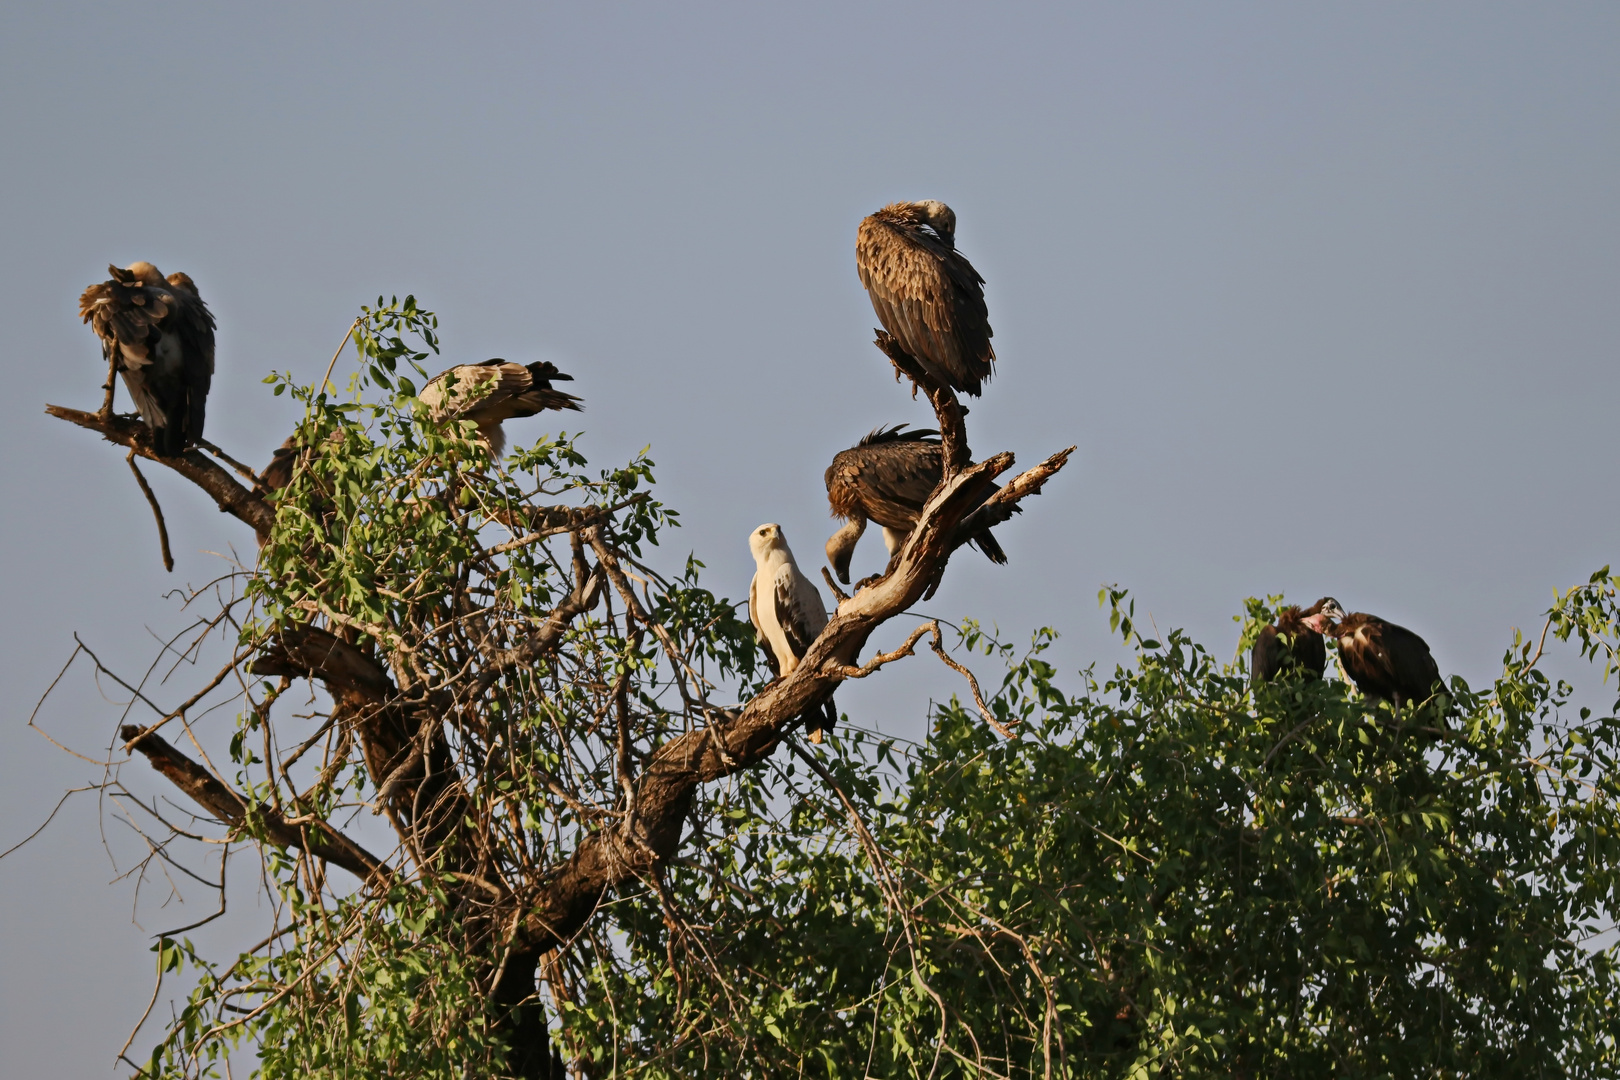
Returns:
<point x="493" y="391"/>
<point x="786" y="610"/>
<point x="1387" y="662"/>
<point x="279" y="473"/>
<point x="886" y="478"/>
<point x="159" y="335"/>
<point x="1291" y="643"/>
<point x="925" y="292"/>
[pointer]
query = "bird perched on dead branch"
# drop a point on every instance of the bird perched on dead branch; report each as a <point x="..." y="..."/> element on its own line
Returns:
<point x="786" y="610"/>
<point x="493" y="391"/>
<point x="1291" y="643"/>
<point x="925" y="292"/>
<point x="886" y="478"/>
<point x="1387" y="662"/>
<point x="159" y="335"/>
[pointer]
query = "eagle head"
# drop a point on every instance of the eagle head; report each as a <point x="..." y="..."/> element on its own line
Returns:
<point x="764" y="539"/>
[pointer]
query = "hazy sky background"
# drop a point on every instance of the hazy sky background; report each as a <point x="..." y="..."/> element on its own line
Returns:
<point x="1328" y="297"/>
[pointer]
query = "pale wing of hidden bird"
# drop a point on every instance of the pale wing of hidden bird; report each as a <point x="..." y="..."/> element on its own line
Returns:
<point x="494" y="391"/>
<point x="159" y="335"/>
<point x="926" y="293"/>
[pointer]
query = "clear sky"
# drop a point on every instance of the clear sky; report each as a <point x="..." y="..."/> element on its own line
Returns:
<point x="1327" y="296"/>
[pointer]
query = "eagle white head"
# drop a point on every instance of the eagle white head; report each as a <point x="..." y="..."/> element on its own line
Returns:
<point x="766" y="540"/>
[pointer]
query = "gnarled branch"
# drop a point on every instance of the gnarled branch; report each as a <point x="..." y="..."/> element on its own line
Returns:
<point x="314" y="836"/>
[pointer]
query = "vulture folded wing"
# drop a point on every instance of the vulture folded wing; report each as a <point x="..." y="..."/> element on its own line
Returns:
<point x="481" y="393"/>
<point x="194" y="324"/>
<point x="539" y="399"/>
<point x="1412" y="668"/>
<point x="1266" y="658"/>
<point x="903" y="274"/>
<point x="897" y="482"/>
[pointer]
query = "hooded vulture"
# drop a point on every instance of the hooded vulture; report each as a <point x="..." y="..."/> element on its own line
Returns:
<point x="886" y="478"/>
<point x="160" y="335"/>
<point x="493" y="391"/>
<point x="1387" y="662"/>
<point x="925" y="292"/>
<point x="1291" y="643"/>
<point x="785" y="608"/>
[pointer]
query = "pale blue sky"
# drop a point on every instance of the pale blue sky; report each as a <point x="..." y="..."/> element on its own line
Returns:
<point x="1326" y="295"/>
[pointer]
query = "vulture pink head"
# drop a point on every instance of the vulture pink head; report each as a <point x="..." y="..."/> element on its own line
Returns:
<point x="1327" y="612"/>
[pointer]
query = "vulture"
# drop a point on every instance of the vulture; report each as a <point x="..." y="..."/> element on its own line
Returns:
<point x="785" y="608"/>
<point x="493" y="391"/>
<point x="1387" y="662"/>
<point x="925" y="292"/>
<point x="886" y="478"/>
<point x="279" y="473"/>
<point x="160" y="335"/>
<point x="1291" y="642"/>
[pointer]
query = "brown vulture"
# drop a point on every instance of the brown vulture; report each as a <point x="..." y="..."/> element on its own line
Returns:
<point x="160" y="335"/>
<point x="925" y="292"/>
<point x="1387" y="662"/>
<point x="886" y="478"/>
<point x="1291" y="642"/>
<point x="493" y="391"/>
<point x="785" y="608"/>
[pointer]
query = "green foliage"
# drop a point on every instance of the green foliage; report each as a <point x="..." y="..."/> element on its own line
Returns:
<point x="1165" y="875"/>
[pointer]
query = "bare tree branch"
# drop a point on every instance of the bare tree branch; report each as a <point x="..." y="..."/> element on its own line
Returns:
<point x="157" y="512"/>
<point x="322" y="841"/>
<point x="230" y="496"/>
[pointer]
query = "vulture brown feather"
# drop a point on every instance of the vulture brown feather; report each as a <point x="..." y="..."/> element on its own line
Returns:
<point x="1291" y="643"/>
<point x="886" y="478"/>
<point x="925" y="292"/>
<point x="159" y="335"/>
<point x="1387" y="662"/>
<point x="493" y="391"/>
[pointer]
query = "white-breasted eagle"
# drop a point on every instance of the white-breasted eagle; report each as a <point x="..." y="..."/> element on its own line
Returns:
<point x="493" y="391"/>
<point x="785" y="607"/>
<point x="887" y="477"/>
<point x="925" y="292"/>
<point x="160" y="335"/>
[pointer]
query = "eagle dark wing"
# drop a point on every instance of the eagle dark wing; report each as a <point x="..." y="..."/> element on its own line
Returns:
<point x="790" y="613"/>
<point x="928" y="296"/>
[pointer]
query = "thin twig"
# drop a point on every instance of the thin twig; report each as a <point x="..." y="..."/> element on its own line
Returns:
<point x="325" y="379"/>
<point x="157" y="511"/>
<point x="242" y="469"/>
